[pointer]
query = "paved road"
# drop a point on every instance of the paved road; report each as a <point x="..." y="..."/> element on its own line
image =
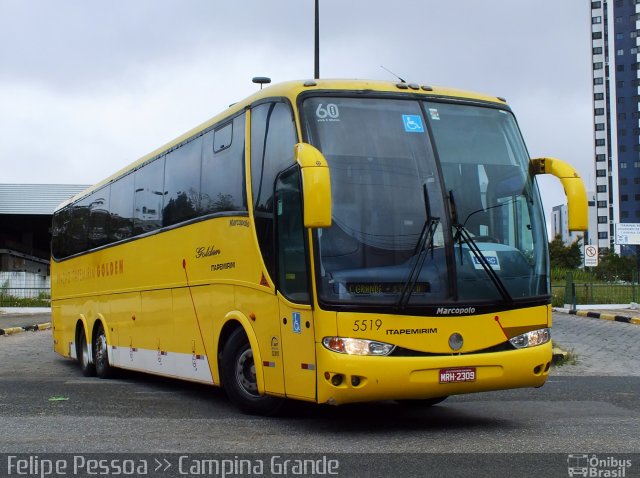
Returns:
<point x="8" y="320"/>
<point x="593" y="406"/>
<point x="600" y="347"/>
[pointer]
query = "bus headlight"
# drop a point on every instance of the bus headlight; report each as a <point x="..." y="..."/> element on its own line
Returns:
<point x="345" y="345"/>
<point x="531" y="339"/>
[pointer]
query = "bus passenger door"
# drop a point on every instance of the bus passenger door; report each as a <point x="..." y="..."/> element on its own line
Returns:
<point x="298" y="350"/>
<point x="296" y="316"/>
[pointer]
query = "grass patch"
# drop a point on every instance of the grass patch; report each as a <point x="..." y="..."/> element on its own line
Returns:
<point x="559" y="275"/>
<point x="589" y="289"/>
<point x="42" y="300"/>
<point x="562" y="357"/>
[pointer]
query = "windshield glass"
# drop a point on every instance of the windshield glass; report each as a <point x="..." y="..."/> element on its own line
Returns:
<point x="393" y="240"/>
<point x="485" y="169"/>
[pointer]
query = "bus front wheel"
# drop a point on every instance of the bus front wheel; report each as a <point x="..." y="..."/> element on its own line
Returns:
<point x="101" y="354"/>
<point x="239" y="377"/>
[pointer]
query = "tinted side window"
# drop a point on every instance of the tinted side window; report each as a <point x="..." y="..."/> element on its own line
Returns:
<point x="148" y="197"/>
<point x="121" y="209"/>
<point x="223" y="183"/>
<point x="60" y="227"/>
<point x="222" y="137"/>
<point x="78" y="225"/>
<point x="98" y="230"/>
<point x="182" y="183"/>
<point x="273" y="137"/>
<point x="81" y="226"/>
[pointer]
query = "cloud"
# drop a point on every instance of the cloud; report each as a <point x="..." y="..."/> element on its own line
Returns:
<point x="88" y="87"/>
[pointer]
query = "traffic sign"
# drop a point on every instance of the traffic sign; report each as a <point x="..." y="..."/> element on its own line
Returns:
<point x="627" y="233"/>
<point x="590" y="256"/>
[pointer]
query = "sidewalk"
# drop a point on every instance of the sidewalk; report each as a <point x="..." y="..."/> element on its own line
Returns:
<point x="627" y="315"/>
<point x="18" y="320"/>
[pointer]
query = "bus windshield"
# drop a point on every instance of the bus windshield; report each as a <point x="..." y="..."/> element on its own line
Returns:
<point x="432" y="204"/>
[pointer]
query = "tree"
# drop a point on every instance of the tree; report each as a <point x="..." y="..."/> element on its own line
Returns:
<point x="566" y="257"/>
<point x="612" y="267"/>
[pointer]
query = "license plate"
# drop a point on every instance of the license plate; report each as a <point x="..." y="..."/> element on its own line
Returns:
<point x="453" y="375"/>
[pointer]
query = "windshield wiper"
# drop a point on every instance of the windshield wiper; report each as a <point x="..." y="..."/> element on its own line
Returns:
<point x="425" y="242"/>
<point x="462" y="235"/>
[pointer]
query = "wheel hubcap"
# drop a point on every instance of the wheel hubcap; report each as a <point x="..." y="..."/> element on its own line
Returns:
<point x="246" y="373"/>
<point x="101" y="349"/>
<point x="85" y="353"/>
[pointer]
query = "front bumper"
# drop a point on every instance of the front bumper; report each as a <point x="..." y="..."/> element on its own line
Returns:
<point x="348" y="378"/>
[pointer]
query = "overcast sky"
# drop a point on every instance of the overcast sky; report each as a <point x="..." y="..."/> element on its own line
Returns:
<point x="87" y="87"/>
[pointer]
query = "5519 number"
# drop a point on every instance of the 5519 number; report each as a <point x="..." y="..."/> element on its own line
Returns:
<point x="366" y="324"/>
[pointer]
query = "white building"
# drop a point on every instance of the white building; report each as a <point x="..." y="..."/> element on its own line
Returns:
<point x="560" y="224"/>
<point x="25" y="234"/>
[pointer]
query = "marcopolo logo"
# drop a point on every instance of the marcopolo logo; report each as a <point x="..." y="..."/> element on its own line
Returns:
<point x="455" y="310"/>
<point x="597" y="466"/>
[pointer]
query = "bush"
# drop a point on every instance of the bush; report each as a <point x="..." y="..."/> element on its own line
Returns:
<point x="559" y="275"/>
<point x="43" y="299"/>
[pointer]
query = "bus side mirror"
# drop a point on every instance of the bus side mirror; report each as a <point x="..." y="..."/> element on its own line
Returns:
<point x="316" y="185"/>
<point x="573" y="188"/>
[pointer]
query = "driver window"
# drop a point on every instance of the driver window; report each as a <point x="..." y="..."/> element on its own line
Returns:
<point x="292" y="264"/>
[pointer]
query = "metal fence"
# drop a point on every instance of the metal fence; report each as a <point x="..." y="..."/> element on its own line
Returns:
<point x="576" y="293"/>
<point x="24" y="289"/>
<point x="25" y="297"/>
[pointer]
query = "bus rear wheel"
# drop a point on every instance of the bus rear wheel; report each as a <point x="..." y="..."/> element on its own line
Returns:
<point x="239" y="378"/>
<point x="101" y="354"/>
<point x="84" y="357"/>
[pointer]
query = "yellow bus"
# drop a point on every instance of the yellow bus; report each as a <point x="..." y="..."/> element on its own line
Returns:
<point x="327" y="241"/>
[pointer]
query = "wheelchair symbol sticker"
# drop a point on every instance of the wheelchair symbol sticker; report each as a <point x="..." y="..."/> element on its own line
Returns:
<point x="297" y="325"/>
<point x="413" y="123"/>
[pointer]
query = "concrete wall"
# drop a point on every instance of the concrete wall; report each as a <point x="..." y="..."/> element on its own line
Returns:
<point x="24" y="284"/>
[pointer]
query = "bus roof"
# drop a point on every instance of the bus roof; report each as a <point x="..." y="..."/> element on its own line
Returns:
<point x="291" y="90"/>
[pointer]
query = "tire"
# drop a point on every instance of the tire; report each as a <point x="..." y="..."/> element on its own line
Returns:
<point x="84" y="357"/>
<point x="427" y="402"/>
<point x="239" y="378"/>
<point x="101" y="354"/>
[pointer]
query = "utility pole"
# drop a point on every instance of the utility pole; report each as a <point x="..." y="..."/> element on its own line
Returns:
<point x="317" y="43"/>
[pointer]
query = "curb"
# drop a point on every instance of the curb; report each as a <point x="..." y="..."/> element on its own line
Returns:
<point x="599" y="315"/>
<point x="558" y="356"/>
<point x="26" y="328"/>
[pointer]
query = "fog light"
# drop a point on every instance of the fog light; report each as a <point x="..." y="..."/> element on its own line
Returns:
<point x="355" y="380"/>
<point x="336" y="380"/>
